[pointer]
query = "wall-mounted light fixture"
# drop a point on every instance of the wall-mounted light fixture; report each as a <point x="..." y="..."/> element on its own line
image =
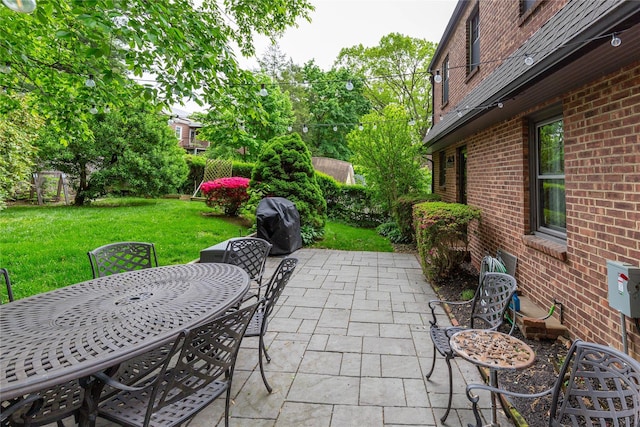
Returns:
<point x="451" y="160"/>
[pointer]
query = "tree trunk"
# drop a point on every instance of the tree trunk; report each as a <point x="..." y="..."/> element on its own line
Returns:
<point x="82" y="187"/>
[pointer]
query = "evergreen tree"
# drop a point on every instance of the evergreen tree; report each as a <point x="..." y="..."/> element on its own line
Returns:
<point x="284" y="169"/>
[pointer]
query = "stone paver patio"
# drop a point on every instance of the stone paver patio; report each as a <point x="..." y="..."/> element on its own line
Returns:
<point x="350" y="344"/>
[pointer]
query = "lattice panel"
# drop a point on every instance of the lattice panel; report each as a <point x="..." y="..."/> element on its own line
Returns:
<point x="217" y="168"/>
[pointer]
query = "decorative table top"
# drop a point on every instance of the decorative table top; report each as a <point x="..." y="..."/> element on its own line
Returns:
<point x="492" y="349"/>
<point x="77" y="330"/>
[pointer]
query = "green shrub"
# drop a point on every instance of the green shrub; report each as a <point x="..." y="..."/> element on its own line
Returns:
<point x="442" y="235"/>
<point x="403" y="213"/>
<point x="196" y="172"/>
<point x="467" y="295"/>
<point x="350" y="204"/>
<point x="310" y="234"/>
<point x="242" y="169"/>
<point x="227" y="193"/>
<point x="330" y="188"/>
<point x="284" y="169"/>
<point x="391" y="231"/>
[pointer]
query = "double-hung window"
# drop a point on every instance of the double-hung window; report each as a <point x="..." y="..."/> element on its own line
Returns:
<point x="179" y="132"/>
<point x="473" y="37"/>
<point x="445" y="81"/>
<point x="548" y="182"/>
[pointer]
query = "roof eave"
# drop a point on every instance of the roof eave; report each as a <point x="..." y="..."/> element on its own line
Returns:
<point x="623" y="12"/>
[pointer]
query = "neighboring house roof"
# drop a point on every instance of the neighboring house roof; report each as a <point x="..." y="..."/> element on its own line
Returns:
<point x="187" y="121"/>
<point x="182" y="117"/>
<point x="567" y="37"/>
<point x="340" y="170"/>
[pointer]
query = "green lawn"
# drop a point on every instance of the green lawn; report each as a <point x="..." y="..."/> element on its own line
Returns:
<point x="46" y="248"/>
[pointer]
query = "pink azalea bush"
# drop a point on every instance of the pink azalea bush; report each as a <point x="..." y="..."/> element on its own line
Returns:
<point x="226" y="193"/>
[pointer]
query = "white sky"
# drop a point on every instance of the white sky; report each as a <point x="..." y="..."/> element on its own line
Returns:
<point x="336" y="24"/>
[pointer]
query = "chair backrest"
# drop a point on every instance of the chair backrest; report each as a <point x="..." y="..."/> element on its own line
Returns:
<point x="277" y="283"/>
<point x="135" y="369"/>
<point x="248" y="253"/>
<point x="597" y="386"/>
<point x="122" y="256"/>
<point x="207" y="352"/>
<point x="492" y="299"/>
<point x="7" y="282"/>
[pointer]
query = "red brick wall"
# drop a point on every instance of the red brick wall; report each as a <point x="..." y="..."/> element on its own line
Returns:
<point x="602" y="176"/>
<point x="497" y="18"/>
<point x="602" y="159"/>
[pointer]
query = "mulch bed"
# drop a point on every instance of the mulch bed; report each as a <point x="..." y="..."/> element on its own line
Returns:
<point x="539" y="377"/>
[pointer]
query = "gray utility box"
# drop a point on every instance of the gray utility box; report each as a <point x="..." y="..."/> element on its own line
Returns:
<point x="624" y="288"/>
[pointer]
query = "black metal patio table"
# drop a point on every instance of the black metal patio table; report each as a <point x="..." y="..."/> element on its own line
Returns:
<point x="72" y="332"/>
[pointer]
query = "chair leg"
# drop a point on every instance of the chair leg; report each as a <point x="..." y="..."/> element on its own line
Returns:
<point x="264" y="350"/>
<point x="261" y="349"/>
<point x="433" y="363"/>
<point x="226" y="406"/>
<point x="506" y="410"/>
<point x="448" y="358"/>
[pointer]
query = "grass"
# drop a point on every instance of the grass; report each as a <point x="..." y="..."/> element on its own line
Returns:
<point x="344" y="237"/>
<point x="45" y="247"/>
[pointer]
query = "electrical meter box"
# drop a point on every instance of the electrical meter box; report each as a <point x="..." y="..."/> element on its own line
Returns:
<point x="624" y="288"/>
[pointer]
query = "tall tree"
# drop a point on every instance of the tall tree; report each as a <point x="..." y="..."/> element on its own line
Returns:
<point x="395" y="71"/>
<point x="72" y="55"/>
<point x="134" y="153"/>
<point x="274" y="62"/>
<point x="388" y="150"/>
<point x="240" y="123"/>
<point x="18" y="132"/>
<point x="334" y="109"/>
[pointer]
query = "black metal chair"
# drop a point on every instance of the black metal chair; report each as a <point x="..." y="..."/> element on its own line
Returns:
<point x="51" y="406"/>
<point x="7" y="281"/>
<point x="488" y="307"/>
<point x="198" y="369"/>
<point x="28" y="405"/>
<point x="596" y="386"/>
<point x="260" y="321"/>
<point x="250" y="254"/>
<point x="122" y="256"/>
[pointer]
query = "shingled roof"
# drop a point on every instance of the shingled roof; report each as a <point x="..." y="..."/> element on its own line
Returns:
<point x="570" y="30"/>
<point x="340" y="170"/>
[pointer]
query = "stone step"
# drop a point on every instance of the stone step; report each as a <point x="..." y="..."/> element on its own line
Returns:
<point x="532" y="324"/>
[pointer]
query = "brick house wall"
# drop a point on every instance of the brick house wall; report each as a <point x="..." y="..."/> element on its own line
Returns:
<point x="601" y="120"/>
<point x="188" y="137"/>
<point x="602" y="173"/>
<point x="493" y="19"/>
<point x="183" y="141"/>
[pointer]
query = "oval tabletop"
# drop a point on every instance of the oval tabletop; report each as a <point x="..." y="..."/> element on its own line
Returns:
<point x="77" y="330"/>
<point x="492" y="349"/>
